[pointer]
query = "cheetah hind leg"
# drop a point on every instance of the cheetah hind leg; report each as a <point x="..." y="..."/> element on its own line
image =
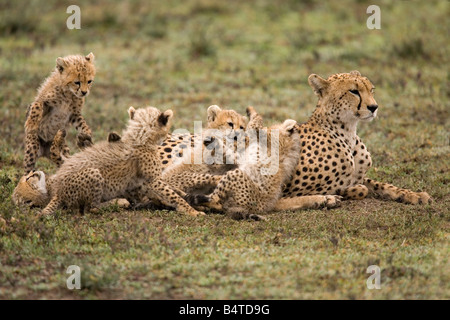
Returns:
<point x="58" y="151"/>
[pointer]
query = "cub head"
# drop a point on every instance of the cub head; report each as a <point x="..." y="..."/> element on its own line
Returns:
<point x="77" y="73"/>
<point x="148" y="125"/>
<point x="347" y="97"/>
<point x="227" y="121"/>
<point x="31" y="190"/>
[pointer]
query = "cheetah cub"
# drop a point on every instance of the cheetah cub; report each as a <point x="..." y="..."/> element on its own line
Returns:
<point x="127" y="167"/>
<point x="34" y="188"/>
<point x="256" y="185"/>
<point x="200" y="168"/>
<point x="58" y="103"/>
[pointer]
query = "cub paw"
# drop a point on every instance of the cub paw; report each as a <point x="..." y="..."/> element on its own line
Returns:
<point x="61" y="133"/>
<point x="197" y="199"/>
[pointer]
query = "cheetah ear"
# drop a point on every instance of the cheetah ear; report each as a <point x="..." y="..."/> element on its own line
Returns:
<point x="60" y="64"/>
<point x="212" y="112"/>
<point x="289" y="124"/>
<point x="355" y="73"/>
<point x="318" y="84"/>
<point x="90" y="57"/>
<point x="164" y="118"/>
<point x="131" y="112"/>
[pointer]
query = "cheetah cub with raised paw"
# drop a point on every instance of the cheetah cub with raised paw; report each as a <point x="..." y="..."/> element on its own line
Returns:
<point x="58" y="103"/>
<point x="123" y="167"/>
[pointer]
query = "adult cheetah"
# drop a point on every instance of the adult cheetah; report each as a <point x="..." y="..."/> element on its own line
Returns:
<point x="333" y="159"/>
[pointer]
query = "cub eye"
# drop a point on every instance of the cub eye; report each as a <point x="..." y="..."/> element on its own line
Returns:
<point x="355" y="92"/>
<point x="231" y="124"/>
<point x="77" y="83"/>
<point x="242" y="128"/>
<point x="90" y="81"/>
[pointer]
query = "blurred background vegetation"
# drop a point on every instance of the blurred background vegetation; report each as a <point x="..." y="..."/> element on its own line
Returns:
<point x="187" y="55"/>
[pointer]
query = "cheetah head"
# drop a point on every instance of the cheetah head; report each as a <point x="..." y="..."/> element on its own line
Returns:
<point x="147" y="125"/>
<point x="31" y="190"/>
<point x="229" y="122"/>
<point x="77" y="73"/>
<point x="348" y="97"/>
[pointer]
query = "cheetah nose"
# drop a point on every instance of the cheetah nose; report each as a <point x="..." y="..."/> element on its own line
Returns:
<point x="83" y="93"/>
<point x="372" y="108"/>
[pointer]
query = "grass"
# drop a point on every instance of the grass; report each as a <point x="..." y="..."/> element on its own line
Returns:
<point x="190" y="54"/>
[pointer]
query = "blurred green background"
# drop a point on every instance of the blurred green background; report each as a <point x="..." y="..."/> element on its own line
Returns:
<point x="187" y="55"/>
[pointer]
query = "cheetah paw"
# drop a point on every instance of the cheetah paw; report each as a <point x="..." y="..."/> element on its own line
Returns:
<point x="417" y="198"/>
<point x="257" y="217"/>
<point x="123" y="203"/>
<point x="332" y="201"/>
<point x="195" y="213"/>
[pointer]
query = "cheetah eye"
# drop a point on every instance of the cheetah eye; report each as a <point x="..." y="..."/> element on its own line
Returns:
<point x="77" y="83"/>
<point x="242" y="128"/>
<point x="231" y="124"/>
<point x="90" y="81"/>
<point x="356" y="92"/>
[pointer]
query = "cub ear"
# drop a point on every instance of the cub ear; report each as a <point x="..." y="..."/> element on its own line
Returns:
<point x="212" y="112"/>
<point x="355" y="73"/>
<point x="90" y="57"/>
<point x="318" y="84"/>
<point x="164" y="118"/>
<point x="131" y="112"/>
<point x="289" y="125"/>
<point x="60" y="64"/>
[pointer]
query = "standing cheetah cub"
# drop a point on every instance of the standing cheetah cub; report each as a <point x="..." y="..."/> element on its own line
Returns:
<point x="58" y="103"/>
<point x="121" y="168"/>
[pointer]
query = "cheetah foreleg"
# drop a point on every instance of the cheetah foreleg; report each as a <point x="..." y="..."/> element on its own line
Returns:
<point x="308" y="202"/>
<point x="356" y="192"/>
<point x="32" y="145"/>
<point x="163" y="192"/>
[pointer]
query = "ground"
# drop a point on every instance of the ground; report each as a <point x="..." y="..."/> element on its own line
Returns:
<point x="189" y="55"/>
